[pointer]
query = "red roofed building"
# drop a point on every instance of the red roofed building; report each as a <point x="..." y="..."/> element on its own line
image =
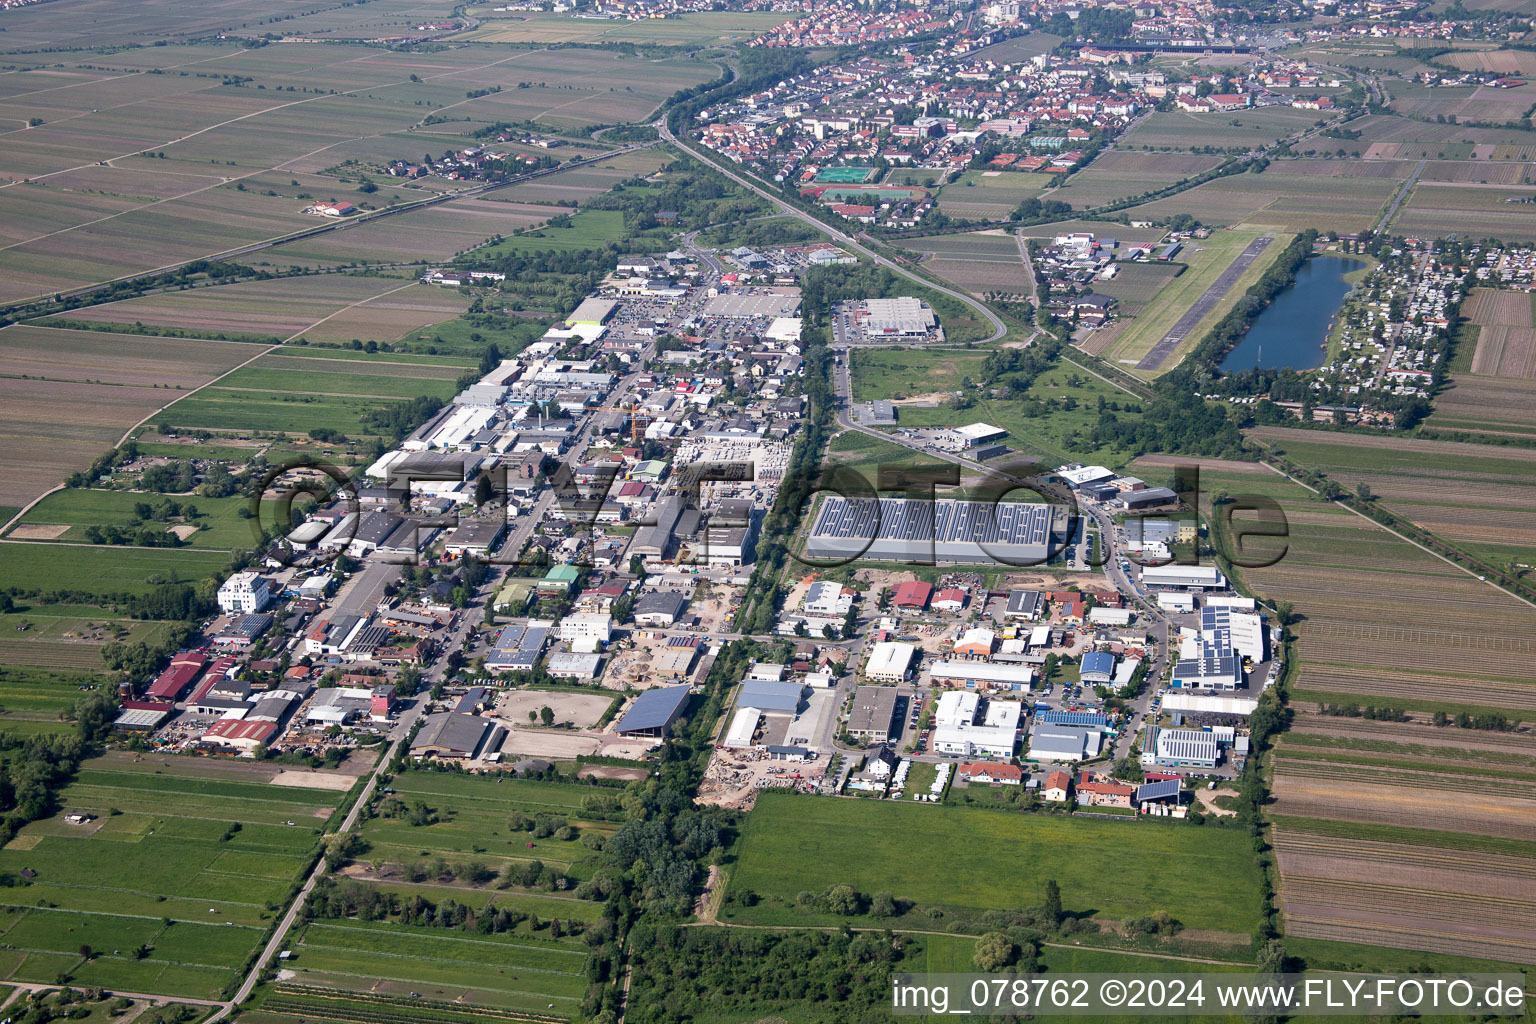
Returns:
<point x="1057" y="788"/>
<point x="913" y="594"/>
<point x="173" y="682"/>
<point x="951" y="599"/>
<point x="1104" y="794"/>
<point x="230" y="732"/>
<point x="996" y="774"/>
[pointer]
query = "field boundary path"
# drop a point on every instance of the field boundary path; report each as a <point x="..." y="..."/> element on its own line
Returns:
<point x="1429" y="551"/>
<point x="265" y="350"/>
<point x="1204" y="304"/>
<point x="1402" y="194"/>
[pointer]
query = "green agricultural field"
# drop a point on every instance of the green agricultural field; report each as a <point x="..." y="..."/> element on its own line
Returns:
<point x="472" y="822"/>
<point x="37" y="693"/>
<point x="238" y="411"/>
<point x="48" y="638"/>
<point x="219" y="525"/>
<point x="1053" y="419"/>
<point x="588" y="229"/>
<point x="989" y="195"/>
<point x="522" y="970"/>
<point x="1113" y="870"/>
<point x="170" y="885"/>
<point x="104" y="571"/>
<point x="1234" y="129"/>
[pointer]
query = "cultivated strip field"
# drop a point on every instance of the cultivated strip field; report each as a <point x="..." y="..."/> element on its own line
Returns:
<point x="67" y="396"/>
<point x="532" y="961"/>
<point x="341" y="307"/>
<point x="1374" y="820"/>
<point x="183" y="857"/>
<point x="793" y="844"/>
<point x="980" y="262"/>
<point x="1473" y="495"/>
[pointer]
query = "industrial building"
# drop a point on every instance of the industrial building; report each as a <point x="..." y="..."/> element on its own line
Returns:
<point x="1024" y="604"/>
<point x="1098" y="668"/>
<point x="1181" y="748"/>
<point x="925" y="532"/>
<point x="752" y="306"/>
<point x="889" y="661"/>
<point x="968" y="725"/>
<point x="654" y="712"/>
<point x="975" y="674"/>
<point x="457" y="736"/>
<point x="1149" y="497"/>
<point x="902" y="317"/>
<point x="973" y="434"/>
<point x="1063" y="743"/>
<point x="874" y="710"/>
<point x="1185" y="577"/>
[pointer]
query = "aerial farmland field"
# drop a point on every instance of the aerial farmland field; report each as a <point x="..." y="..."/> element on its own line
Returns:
<point x="1122" y="173"/>
<point x="534" y="959"/>
<point x="171" y="843"/>
<point x="69" y="395"/>
<point x="331" y="308"/>
<point x="1233" y="129"/>
<point x="778" y="859"/>
<point x="979" y="262"/>
<point x="1355" y="865"/>
<point x="989" y="195"/>
<point x="693" y="29"/>
<point x="1477" y="210"/>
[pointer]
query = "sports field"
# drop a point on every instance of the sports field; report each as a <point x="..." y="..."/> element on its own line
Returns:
<point x="170" y="883"/>
<point x="845" y="175"/>
<point x="1108" y="870"/>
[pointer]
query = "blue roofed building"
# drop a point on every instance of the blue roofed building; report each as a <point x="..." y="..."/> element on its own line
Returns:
<point x="1077" y="719"/>
<point x="1098" y="667"/>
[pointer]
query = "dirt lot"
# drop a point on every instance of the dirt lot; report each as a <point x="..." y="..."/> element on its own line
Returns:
<point x="581" y="710"/>
<point x="564" y="744"/>
<point x="735" y="777"/>
<point x="612" y="771"/>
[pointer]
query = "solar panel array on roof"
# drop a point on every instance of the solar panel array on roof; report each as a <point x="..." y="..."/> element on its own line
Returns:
<point x="950" y="530"/>
<point x="1081" y="719"/>
<point x="1186" y="745"/>
<point x="1160" y="790"/>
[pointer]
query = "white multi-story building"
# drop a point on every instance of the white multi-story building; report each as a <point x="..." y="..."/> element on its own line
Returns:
<point x="585" y="630"/>
<point x="244" y="593"/>
<point x="966" y="725"/>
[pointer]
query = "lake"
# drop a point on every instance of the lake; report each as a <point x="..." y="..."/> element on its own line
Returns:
<point x="1293" y="330"/>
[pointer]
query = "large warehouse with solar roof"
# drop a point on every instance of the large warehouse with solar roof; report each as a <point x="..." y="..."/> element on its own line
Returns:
<point x="904" y="530"/>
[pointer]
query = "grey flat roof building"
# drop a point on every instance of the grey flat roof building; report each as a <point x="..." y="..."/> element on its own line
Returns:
<point x="455" y="735"/>
<point x="904" y="530"/>
<point x="654" y="711"/>
<point x="874" y="708"/>
<point x="769" y="696"/>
